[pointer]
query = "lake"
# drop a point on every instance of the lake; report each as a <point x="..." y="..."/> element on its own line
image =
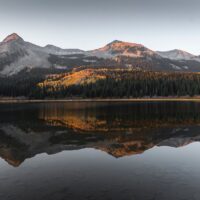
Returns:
<point x="93" y="151"/>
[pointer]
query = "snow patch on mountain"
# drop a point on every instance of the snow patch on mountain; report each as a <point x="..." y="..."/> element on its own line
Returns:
<point x="176" y="54"/>
<point x="175" y="67"/>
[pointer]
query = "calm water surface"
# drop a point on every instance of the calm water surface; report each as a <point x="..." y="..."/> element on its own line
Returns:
<point x="139" y="151"/>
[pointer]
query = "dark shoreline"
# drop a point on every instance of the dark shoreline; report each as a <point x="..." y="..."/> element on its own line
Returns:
<point x="197" y="99"/>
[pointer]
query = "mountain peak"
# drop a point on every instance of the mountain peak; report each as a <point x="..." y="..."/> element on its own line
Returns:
<point x="120" y="48"/>
<point x="115" y="41"/>
<point x="119" y="43"/>
<point x="12" y="37"/>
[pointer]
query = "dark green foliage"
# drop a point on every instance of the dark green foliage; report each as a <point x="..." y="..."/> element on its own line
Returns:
<point x="117" y="84"/>
<point x="131" y="84"/>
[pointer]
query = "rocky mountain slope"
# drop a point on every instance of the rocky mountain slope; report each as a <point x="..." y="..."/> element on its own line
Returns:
<point x="176" y="54"/>
<point x="17" y="55"/>
<point x="120" y="48"/>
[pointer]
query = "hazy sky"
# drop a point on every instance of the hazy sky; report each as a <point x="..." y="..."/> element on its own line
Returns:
<point x="89" y="24"/>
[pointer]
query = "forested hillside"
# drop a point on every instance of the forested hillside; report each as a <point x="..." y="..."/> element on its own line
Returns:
<point x="118" y="83"/>
<point x="100" y="83"/>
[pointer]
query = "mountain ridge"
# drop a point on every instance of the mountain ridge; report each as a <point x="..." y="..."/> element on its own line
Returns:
<point x="177" y="54"/>
<point x="16" y="55"/>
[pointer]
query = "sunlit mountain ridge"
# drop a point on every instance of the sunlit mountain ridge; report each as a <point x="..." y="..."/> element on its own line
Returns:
<point x="17" y="55"/>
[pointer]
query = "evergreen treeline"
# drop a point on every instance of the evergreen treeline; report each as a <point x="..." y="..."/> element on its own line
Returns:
<point x="130" y="84"/>
<point x="117" y="84"/>
<point x="15" y="87"/>
<point x="24" y="83"/>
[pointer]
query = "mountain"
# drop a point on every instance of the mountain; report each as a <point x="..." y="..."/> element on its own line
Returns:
<point x="176" y="54"/>
<point x="51" y="49"/>
<point x="17" y="55"/>
<point x="126" y="54"/>
<point x="120" y="48"/>
<point x="12" y="37"/>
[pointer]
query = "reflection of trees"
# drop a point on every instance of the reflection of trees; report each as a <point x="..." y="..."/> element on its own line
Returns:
<point x="128" y="117"/>
<point x="130" y="128"/>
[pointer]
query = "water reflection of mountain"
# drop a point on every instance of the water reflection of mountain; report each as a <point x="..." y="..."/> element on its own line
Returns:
<point x="119" y="130"/>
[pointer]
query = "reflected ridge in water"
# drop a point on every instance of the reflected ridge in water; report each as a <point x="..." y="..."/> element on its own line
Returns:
<point x="119" y="129"/>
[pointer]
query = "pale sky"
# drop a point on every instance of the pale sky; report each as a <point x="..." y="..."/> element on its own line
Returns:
<point x="89" y="24"/>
